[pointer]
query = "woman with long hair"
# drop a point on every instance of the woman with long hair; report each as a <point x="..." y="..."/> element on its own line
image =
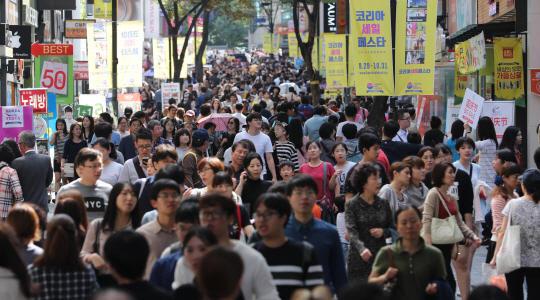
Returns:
<point x="233" y="126"/>
<point x="15" y="283"/>
<point x="426" y="154"/>
<point x="506" y="183"/>
<point x="182" y="140"/>
<point x="216" y="105"/>
<point x="284" y="149"/>
<point x="79" y="199"/>
<point x="443" y="177"/>
<point x="55" y="270"/>
<point x="457" y="132"/>
<point x="88" y="128"/>
<point x="511" y="140"/>
<point x="58" y="139"/>
<point x="400" y="176"/>
<point x="191" y="101"/>
<point x="14" y="147"/>
<point x="169" y="130"/>
<point x="111" y="169"/>
<point x="123" y="212"/>
<point x="297" y="137"/>
<point x="24" y="220"/>
<point x="70" y="207"/>
<point x="251" y="184"/>
<point x="73" y="145"/>
<point x="501" y="157"/>
<point x="416" y="191"/>
<point x="486" y="144"/>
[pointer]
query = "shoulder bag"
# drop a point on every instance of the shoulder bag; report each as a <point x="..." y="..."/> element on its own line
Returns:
<point x="138" y="168"/>
<point x="445" y="231"/>
<point x="390" y="284"/>
<point x="509" y="255"/>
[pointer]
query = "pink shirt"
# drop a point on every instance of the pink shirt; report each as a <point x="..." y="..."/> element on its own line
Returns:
<point x="318" y="174"/>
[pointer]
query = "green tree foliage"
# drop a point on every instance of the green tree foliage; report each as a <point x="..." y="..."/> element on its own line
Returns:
<point x="225" y="31"/>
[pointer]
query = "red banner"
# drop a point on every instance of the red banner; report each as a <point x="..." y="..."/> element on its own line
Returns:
<point x="80" y="70"/>
<point x="37" y="98"/>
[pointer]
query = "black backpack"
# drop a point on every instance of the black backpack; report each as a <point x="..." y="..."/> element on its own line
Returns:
<point x="326" y="214"/>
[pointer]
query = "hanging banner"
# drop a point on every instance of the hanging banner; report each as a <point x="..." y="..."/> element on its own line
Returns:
<point x="14" y="120"/>
<point x="322" y="52"/>
<point x="130" y="53"/>
<point x="535" y="81"/>
<point x="471" y="108"/>
<point x="267" y="43"/>
<point x="100" y="55"/>
<point x="293" y="45"/>
<point x="37" y="98"/>
<point x="168" y="91"/>
<point x="415" y="47"/>
<point x="315" y="53"/>
<point x="350" y="64"/>
<point x="128" y="100"/>
<point x="461" y="85"/>
<point x="371" y="43"/>
<point x="97" y="101"/>
<point x="275" y="43"/>
<point x="471" y="54"/>
<point x="54" y="76"/>
<point x="103" y="9"/>
<point x="336" y="60"/>
<point x="508" y="58"/>
<point x="161" y="58"/>
<point x="151" y="19"/>
<point x="501" y="113"/>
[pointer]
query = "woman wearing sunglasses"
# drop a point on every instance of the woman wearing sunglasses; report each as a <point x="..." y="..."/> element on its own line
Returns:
<point x="228" y="137"/>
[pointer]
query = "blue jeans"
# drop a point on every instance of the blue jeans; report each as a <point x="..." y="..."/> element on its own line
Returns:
<point x="345" y="248"/>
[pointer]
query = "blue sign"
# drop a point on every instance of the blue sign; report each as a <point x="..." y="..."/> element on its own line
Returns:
<point x="52" y="115"/>
<point x="260" y="20"/>
<point x="299" y="62"/>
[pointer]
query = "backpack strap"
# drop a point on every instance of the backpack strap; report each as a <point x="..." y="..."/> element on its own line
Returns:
<point x="324" y="186"/>
<point x="239" y="221"/>
<point x="138" y="168"/>
<point x="143" y="183"/>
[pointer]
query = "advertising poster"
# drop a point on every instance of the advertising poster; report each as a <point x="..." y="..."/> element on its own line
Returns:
<point x="168" y="91"/>
<point x="428" y="106"/>
<point x="131" y="10"/>
<point x="42" y="146"/>
<point x="267" y="43"/>
<point x="97" y="101"/>
<point x="51" y="115"/>
<point x="80" y="70"/>
<point x="415" y="47"/>
<point x="471" y="54"/>
<point x="128" y="100"/>
<point x="130" y="37"/>
<point x="371" y="41"/>
<point x="100" y="56"/>
<point x="336" y="61"/>
<point x="161" y="58"/>
<point x="461" y="85"/>
<point x="293" y="45"/>
<point x="151" y="19"/>
<point x="501" y="113"/>
<point x="15" y="119"/>
<point x="40" y="126"/>
<point x="275" y="43"/>
<point x="452" y="113"/>
<point x="37" y="98"/>
<point x="54" y="75"/>
<point x="535" y="81"/>
<point x="471" y="108"/>
<point x="508" y="56"/>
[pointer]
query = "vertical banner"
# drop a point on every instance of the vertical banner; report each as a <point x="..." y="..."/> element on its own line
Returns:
<point x="100" y="55"/>
<point x="275" y="43"/>
<point x="461" y="84"/>
<point x="471" y="54"/>
<point x="322" y="52"/>
<point x="267" y="43"/>
<point x="130" y="38"/>
<point x="151" y="19"/>
<point x="508" y="58"/>
<point x="315" y="53"/>
<point x="501" y="113"/>
<point x="161" y="58"/>
<point x="415" y="47"/>
<point x="293" y="45"/>
<point x="350" y="65"/>
<point x="336" y="60"/>
<point x="371" y="44"/>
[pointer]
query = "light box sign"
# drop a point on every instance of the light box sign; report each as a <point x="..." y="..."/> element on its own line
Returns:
<point x="37" y="98"/>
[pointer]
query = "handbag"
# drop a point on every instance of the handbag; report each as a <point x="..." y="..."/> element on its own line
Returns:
<point x="445" y="231"/>
<point x="500" y="282"/>
<point x="390" y="284"/>
<point x="509" y="255"/>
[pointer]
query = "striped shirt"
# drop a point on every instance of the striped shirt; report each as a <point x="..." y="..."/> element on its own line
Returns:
<point x="498" y="203"/>
<point x="59" y="146"/>
<point x="486" y="151"/>
<point x="292" y="266"/>
<point x="287" y="151"/>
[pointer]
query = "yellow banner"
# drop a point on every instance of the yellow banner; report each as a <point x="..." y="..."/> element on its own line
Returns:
<point x="130" y="36"/>
<point x="293" y="45"/>
<point x="267" y="43"/>
<point x="315" y="54"/>
<point x="99" y="55"/>
<point x="275" y="43"/>
<point x="351" y="65"/>
<point x="190" y="56"/>
<point x="508" y="58"/>
<point x="371" y="40"/>
<point x="463" y="51"/>
<point x="415" y="47"/>
<point x="322" y="51"/>
<point x="461" y="85"/>
<point x="336" y="60"/>
<point x="103" y="9"/>
<point x="161" y="58"/>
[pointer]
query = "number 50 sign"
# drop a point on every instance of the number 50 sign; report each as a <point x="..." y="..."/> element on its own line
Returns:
<point x="54" y="77"/>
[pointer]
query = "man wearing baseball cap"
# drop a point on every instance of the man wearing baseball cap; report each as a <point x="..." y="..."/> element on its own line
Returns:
<point x="199" y="143"/>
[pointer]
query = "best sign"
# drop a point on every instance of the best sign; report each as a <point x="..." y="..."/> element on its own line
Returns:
<point x="37" y="98"/>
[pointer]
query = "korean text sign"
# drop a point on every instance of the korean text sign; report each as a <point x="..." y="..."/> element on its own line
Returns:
<point x="130" y="53"/>
<point x="471" y="108"/>
<point x="37" y="98"/>
<point x="508" y="56"/>
<point x="336" y="60"/>
<point x="415" y="47"/>
<point x="501" y="113"/>
<point x="371" y="41"/>
<point x="14" y="120"/>
<point x="100" y="56"/>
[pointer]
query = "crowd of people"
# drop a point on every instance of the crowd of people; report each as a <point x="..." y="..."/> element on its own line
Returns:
<point x="285" y="200"/>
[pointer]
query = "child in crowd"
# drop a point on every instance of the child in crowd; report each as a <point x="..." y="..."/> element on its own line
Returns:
<point x="286" y="170"/>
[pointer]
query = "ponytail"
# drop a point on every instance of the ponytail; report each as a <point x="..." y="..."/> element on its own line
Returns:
<point x="536" y="196"/>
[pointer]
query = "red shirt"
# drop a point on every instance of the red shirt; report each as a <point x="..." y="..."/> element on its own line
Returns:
<point x="443" y="214"/>
<point x="318" y="174"/>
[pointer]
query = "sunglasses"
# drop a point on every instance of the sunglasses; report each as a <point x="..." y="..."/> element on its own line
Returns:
<point x="230" y="123"/>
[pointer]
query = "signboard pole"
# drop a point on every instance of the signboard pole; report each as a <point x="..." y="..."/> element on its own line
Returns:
<point x="114" y="100"/>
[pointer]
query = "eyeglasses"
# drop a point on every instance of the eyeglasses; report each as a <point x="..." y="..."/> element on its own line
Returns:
<point x="211" y="214"/>
<point x="174" y="196"/>
<point x="443" y="156"/>
<point x="230" y="123"/>
<point x="204" y="170"/>
<point x="93" y="167"/>
<point x="307" y="193"/>
<point x="148" y="147"/>
<point x="265" y="216"/>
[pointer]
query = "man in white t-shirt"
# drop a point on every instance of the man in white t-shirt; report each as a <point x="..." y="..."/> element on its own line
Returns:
<point x="350" y="115"/>
<point x="262" y="142"/>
